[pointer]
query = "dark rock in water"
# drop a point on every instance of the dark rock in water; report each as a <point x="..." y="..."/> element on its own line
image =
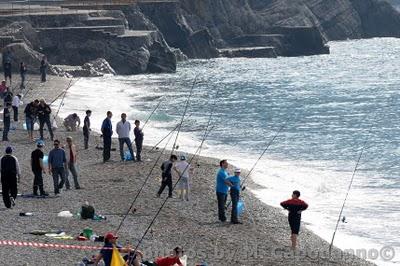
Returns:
<point x="250" y="52"/>
<point x="179" y="55"/>
<point x="162" y="59"/>
<point x="98" y="67"/>
<point x="201" y="45"/>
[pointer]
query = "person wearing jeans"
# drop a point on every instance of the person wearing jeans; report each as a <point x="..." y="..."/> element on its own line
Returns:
<point x="123" y="131"/>
<point x="234" y="183"/>
<point x="222" y="189"/>
<point x="71" y="159"/>
<point x="57" y="166"/>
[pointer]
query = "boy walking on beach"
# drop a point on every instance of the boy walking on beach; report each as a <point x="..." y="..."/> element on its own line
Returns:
<point x="38" y="169"/>
<point x="106" y="129"/>
<point x="295" y="206"/>
<point x="86" y="129"/>
<point x="57" y="166"/>
<point x="183" y="168"/>
<point x="234" y="183"/>
<point x="166" y="175"/>
<point x="9" y="168"/>
<point x="72" y="157"/>
<point x="222" y="189"/>
<point x="123" y="131"/>
<point x="138" y="140"/>
<point x="16" y="102"/>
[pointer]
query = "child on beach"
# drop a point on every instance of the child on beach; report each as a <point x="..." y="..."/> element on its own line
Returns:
<point x="183" y="169"/>
<point x="295" y="206"/>
<point x="234" y="183"/>
<point x="86" y="129"/>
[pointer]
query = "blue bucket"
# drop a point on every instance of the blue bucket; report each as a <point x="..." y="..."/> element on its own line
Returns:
<point x="45" y="160"/>
<point x="128" y="156"/>
<point x="240" y="207"/>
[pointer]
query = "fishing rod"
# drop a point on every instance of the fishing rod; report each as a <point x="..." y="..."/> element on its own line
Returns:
<point x="151" y="114"/>
<point x="166" y="199"/>
<point x="144" y="183"/>
<point x="62" y="99"/>
<point x="259" y="158"/>
<point x="350" y="185"/>
<point x="209" y="122"/>
<point x="184" y="112"/>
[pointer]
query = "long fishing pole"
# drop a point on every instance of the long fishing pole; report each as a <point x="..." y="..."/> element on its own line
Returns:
<point x="166" y="136"/>
<point x="259" y="158"/>
<point x="166" y="199"/>
<point x="209" y="122"/>
<point x="184" y="112"/>
<point x="63" y="98"/>
<point x="144" y="183"/>
<point x="151" y="114"/>
<point x="349" y="188"/>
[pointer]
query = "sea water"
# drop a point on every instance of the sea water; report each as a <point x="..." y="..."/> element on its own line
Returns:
<point x="332" y="107"/>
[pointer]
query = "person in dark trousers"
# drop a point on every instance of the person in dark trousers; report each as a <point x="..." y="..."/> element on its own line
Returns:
<point x="166" y="169"/>
<point x="38" y="169"/>
<point x="44" y="112"/>
<point x="16" y="102"/>
<point x="9" y="168"/>
<point x="295" y="206"/>
<point x="106" y="129"/>
<point x="72" y="158"/>
<point x="43" y="68"/>
<point x="6" y="121"/>
<point x="22" y="72"/>
<point x="57" y="166"/>
<point x="222" y="189"/>
<point x="86" y="129"/>
<point x="7" y="71"/>
<point x="123" y="131"/>
<point x="234" y="183"/>
<point x="31" y="111"/>
<point x="8" y="96"/>
<point x="138" y="140"/>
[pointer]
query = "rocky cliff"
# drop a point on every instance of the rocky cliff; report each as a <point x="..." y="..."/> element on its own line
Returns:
<point x="230" y="20"/>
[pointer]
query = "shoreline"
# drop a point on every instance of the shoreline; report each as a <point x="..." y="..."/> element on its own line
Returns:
<point x="110" y="187"/>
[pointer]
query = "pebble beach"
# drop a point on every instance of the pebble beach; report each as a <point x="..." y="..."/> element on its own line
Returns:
<point x="262" y="239"/>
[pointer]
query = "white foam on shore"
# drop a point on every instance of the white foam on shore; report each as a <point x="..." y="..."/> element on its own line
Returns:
<point x="323" y="187"/>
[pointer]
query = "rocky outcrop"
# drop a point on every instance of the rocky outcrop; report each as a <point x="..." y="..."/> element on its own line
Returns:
<point x="95" y="68"/>
<point x="21" y="52"/>
<point x="249" y="52"/>
<point x="77" y="38"/>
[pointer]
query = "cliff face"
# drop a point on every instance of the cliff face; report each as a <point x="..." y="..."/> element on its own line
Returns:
<point x="227" y="20"/>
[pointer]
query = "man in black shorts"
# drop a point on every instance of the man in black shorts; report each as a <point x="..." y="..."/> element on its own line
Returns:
<point x="166" y="168"/>
<point x="295" y="206"/>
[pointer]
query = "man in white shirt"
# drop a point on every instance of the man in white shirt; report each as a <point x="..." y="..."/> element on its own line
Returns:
<point x="183" y="169"/>
<point x="16" y="103"/>
<point x="123" y="131"/>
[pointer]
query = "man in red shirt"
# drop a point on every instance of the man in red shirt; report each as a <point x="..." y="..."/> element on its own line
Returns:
<point x="168" y="261"/>
<point x="295" y="206"/>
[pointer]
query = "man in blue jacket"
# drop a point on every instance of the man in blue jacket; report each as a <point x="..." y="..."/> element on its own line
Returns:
<point x="106" y="129"/>
<point x="222" y="189"/>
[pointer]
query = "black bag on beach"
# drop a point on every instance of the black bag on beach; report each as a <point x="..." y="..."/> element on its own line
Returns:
<point x="87" y="212"/>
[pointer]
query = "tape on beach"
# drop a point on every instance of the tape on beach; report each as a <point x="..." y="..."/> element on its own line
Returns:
<point x="48" y="245"/>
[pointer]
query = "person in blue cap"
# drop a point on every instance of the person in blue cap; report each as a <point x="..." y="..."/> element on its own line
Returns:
<point x="10" y="170"/>
<point x="38" y="169"/>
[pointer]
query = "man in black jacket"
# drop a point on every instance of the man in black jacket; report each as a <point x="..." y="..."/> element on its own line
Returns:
<point x="166" y="168"/>
<point x="44" y="112"/>
<point x="9" y="168"/>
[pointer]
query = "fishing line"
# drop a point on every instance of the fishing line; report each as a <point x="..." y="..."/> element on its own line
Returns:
<point x="184" y="112"/>
<point x="144" y="183"/>
<point x="350" y="185"/>
<point x="151" y="114"/>
<point x="173" y="188"/>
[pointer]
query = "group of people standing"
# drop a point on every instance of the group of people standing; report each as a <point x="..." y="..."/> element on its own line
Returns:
<point x="123" y="132"/>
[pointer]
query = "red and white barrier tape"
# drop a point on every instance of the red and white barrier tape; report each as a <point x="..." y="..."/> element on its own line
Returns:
<point x="46" y="245"/>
